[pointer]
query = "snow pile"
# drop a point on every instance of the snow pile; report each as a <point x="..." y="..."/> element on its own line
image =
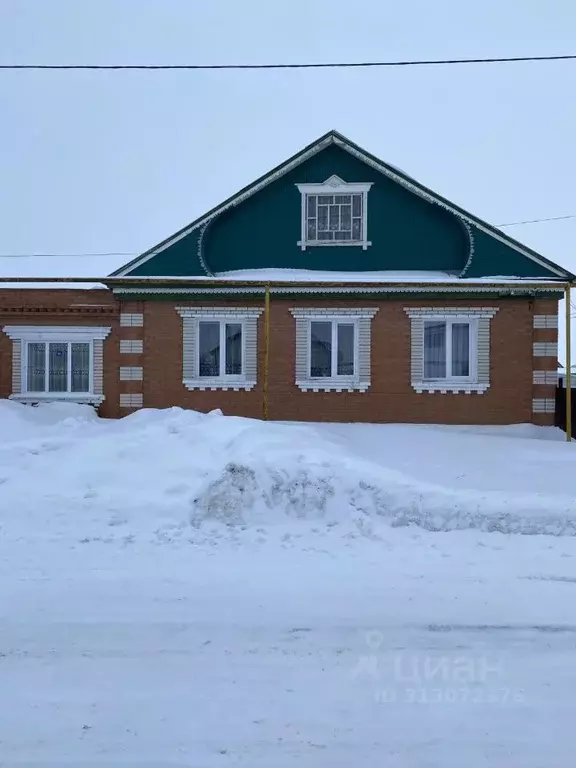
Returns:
<point x="18" y="422"/>
<point x="167" y="475"/>
<point x="319" y="481"/>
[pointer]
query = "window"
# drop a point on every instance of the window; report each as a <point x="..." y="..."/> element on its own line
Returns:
<point x="447" y="349"/>
<point x="57" y="362"/>
<point x="334" y="213"/>
<point x="450" y="348"/>
<point x="220" y="347"/>
<point x="58" y="366"/>
<point x="331" y="349"/>
<point x="334" y="217"/>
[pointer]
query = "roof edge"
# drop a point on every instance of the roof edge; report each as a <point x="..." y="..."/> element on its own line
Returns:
<point x="237" y="197"/>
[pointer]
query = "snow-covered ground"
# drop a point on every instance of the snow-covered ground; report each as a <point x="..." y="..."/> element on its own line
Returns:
<point x="186" y="589"/>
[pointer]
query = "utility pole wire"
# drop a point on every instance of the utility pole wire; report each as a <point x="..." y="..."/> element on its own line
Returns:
<point x="327" y="65"/>
<point x="537" y="221"/>
<point x="137" y="253"/>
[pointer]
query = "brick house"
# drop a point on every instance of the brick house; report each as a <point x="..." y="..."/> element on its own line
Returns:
<point x="335" y="287"/>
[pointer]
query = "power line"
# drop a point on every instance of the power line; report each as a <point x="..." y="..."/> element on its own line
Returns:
<point x="65" y="255"/>
<point x="137" y="253"/>
<point x="537" y="221"/>
<point x="326" y="65"/>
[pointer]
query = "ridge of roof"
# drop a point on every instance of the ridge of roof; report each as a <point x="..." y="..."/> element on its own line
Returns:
<point x="337" y="138"/>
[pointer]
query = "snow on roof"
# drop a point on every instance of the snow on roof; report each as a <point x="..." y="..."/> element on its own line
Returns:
<point x="54" y="286"/>
<point x="261" y="276"/>
<point x="50" y="266"/>
<point x="384" y="276"/>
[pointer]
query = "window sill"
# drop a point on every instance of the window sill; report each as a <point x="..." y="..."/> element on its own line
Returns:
<point x="332" y="243"/>
<point x="58" y="397"/>
<point x="219" y="384"/>
<point x="449" y="387"/>
<point x="332" y="385"/>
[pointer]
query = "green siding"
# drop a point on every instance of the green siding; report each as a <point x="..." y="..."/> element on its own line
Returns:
<point x="406" y="231"/>
<point x="180" y="259"/>
<point x="494" y="258"/>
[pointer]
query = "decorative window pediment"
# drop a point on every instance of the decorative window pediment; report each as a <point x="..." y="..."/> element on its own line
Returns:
<point x="334" y="213"/>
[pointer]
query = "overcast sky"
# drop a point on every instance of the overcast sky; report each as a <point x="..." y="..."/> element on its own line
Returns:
<point x="116" y="161"/>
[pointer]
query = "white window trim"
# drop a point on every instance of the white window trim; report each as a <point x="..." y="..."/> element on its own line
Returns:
<point x="247" y="317"/>
<point x="131" y="400"/>
<point x="344" y="381"/>
<point x="449" y="382"/>
<point x="544" y="405"/>
<point x="479" y="382"/>
<point x="231" y="379"/>
<point x="334" y="186"/>
<point x="361" y="318"/>
<point x="65" y="334"/>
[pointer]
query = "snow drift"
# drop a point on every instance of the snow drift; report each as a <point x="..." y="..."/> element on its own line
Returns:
<point x="167" y="474"/>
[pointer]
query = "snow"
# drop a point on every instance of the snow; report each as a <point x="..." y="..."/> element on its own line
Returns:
<point x="383" y="276"/>
<point x="39" y="267"/>
<point x="48" y="266"/>
<point x="52" y="286"/>
<point x="180" y="588"/>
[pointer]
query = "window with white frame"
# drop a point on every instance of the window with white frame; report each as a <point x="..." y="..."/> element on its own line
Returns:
<point x="332" y="349"/>
<point x="334" y="217"/>
<point x="334" y="213"/>
<point x="58" y="366"/>
<point x="450" y="348"/>
<point x="57" y="362"/>
<point x="219" y="347"/>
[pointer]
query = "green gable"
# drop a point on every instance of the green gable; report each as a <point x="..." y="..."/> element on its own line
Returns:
<point x="409" y="228"/>
<point x="492" y="257"/>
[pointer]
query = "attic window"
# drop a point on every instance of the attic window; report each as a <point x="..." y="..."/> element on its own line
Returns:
<point x="334" y="213"/>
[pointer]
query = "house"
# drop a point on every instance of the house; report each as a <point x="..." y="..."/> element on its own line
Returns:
<point x="335" y="287"/>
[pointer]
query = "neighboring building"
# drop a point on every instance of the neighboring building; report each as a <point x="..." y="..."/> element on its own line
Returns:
<point x="387" y="303"/>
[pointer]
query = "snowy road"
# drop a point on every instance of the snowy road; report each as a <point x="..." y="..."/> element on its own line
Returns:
<point x="425" y="649"/>
<point x="187" y="590"/>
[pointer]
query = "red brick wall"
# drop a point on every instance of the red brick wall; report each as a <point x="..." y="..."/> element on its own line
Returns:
<point x="390" y="397"/>
<point x="62" y="307"/>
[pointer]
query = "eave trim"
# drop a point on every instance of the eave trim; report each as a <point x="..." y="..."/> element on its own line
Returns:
<point x="511" y="290"/>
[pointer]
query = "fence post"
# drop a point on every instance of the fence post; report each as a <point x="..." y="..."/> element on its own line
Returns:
<point x="568" y="381"/>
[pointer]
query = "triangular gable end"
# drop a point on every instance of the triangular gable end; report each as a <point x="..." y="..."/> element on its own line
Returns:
<point x="333" y="137"/>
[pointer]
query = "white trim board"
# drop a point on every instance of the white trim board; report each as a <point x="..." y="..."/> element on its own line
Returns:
<point x="82" y="398"/>
<point x="56" y="332"/>
<point x="333" y="137"/>
<point x="506" y="290"/>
